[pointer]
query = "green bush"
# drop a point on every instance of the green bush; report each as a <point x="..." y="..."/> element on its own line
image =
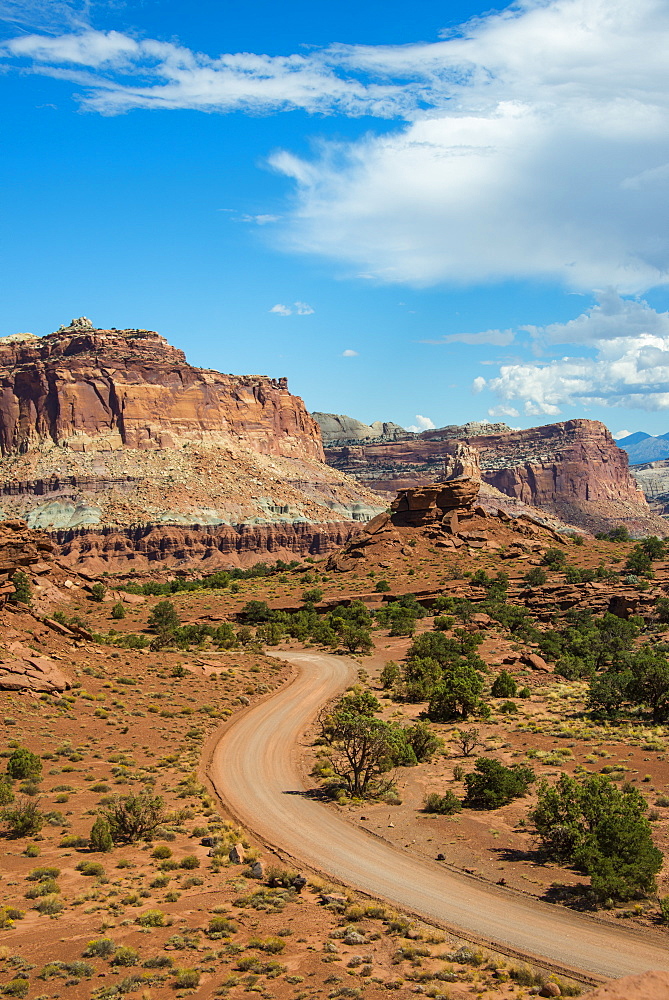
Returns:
<point x="16" y="987"/>
<point x="101" y="838"/>
<point x="134" y="817"/>
<point x="41" y="874"/>
<point x="164" y="616"/>
<point x="23" y="764"/>
<point x="22" y="589"/>
<point x="601" y="829"/>
<point x="382" y="587"/>
<point x="92" y="869"/>
<point x="152" y="918"/>
<point x="100" y="948"/>
<point x="186" y="979"/>
<point x="161" y="851"/>
<point x="221" y="927"/>
<point x="445" y="804"/>
<point x="536" y="577"/>
<point x="23" y="819"/>
<point x="125" y="955"/>
<point x="493" y="784"/>
<point x="118" y="611"/>
<point x="189" y="862"/>
<point x="504" y="686"/>
<point x="98" y="591"/>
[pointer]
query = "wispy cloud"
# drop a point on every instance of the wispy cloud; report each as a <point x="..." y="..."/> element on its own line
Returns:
<point x="516" y="134"/>
<point x="298" y="308"/>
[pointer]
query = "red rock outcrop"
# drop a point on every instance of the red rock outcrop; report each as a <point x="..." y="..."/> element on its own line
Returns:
<point x="212" y="546"/>
<point x="647" y="986"/>
<point x="446" y="515"/>
<point x="100" y="390"/>
<point x="112" y="430"/>
<point x="572" y="469"/>
<point x="20" y="548"/>
<point x="21" y="669"/>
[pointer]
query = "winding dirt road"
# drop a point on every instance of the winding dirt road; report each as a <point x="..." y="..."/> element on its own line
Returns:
<point x="254" y="768"/>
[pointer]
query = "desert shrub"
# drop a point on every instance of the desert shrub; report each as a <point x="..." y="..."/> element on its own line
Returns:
<point x="118" y="611"/>
<point x="44" y="888"/>
<point x="382" y="587"/>
<point x="220" y="926"/>
<point x="152" y="918"/>
<point x="134" y="817"/>
<point x="23" y="819"/>
<point x="423" y="741"/>
<point x="493" y="784"/>
<point x="92" y="869"/>
<point x="100" y="838"/>
<point x="504" y="686"/>
<point x="554" y="558"/>
<point x="445" y="804"/>
<point x="271" y="945"/>
<point x="125" y="955"/>
<point x="536" y="577"/>
<point x="22" y="589"/>
<point x="508" y="708"/>
<point x="186" y="979"/>
<point x="100" y="948"/>
<point x="457" y="694"/>
<point x="8" y="914"/>
<point x="6" y="793"/>
<point x="189" y="862"/>
<point x="42" y="874"/>
<point x="50" y="905"/>
<point x="16" y="987"/>
<point x="98" y="591"/>
<point x="23" y="763"/>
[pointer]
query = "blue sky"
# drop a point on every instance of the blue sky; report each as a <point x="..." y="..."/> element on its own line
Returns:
<point x="424" y="213"/>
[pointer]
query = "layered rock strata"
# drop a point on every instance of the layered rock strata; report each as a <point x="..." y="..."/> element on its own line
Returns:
<point x="113" y="429"/>
<point x="573" y="470"/>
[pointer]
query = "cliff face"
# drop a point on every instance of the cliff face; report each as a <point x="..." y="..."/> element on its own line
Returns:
<point x="572" y="469"/>
<point x="112" y="430"/>
<point x="101" y="390"/>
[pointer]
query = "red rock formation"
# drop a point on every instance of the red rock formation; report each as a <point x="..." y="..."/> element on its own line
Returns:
<point x="213" y="546"/>
<point x="20" y="548"/>
<point x="100" y="390"/>
<point x="572" y="469"/>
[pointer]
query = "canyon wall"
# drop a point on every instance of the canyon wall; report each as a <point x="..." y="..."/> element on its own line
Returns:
<point x="106" y="432"/>
<point x="101" y="390"/>
<point x="571" y="469"/>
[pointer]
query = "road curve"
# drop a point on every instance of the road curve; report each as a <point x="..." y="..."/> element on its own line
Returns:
<point x="254" y="768"/>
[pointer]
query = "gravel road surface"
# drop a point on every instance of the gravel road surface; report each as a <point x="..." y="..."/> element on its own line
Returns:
<point x="255" y="769"/>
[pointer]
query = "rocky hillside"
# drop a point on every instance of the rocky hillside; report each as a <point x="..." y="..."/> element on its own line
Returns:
<point x="112" y="433"/>
<point x="337" y="428"/>
<point x="572" y="470"/>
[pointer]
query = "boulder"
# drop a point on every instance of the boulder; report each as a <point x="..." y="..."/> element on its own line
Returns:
<point x="257" y="869"/>
<point x="237" y="854"/>
<point x="428" y="504"/>
<point x="22" y="670"/>
<point x="536" y="662"/>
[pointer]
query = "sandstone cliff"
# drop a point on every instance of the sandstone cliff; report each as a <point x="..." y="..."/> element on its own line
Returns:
<point x="337" y="428"/>
<point x="113" y="429"/>
<point x="101" y="390"/>
<point x="572" y="469"/>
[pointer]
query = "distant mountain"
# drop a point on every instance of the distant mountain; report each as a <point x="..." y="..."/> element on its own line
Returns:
<point x="642" y="447"/>
<point x="337" y="427"/>
<point x="629" y="439"/>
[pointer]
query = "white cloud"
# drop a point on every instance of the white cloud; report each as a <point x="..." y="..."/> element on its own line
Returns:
<point x="521" y="130"/>
<point x="260" y="220"/>
<point x="300" y="308"/>
<point x="422" y="424"/>
<point x="626" y="364"/>
<point x="348" y="353"/>
<point x="621" y="434"/>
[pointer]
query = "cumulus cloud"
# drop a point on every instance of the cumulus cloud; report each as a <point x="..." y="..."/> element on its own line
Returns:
<point x="422" y="424"/>
<point x="303" y="309"/>
<point x="625" y="364"/>
<point x="621" y="434"/>
<point x="348" y="353"/>
<point x="517" y="133"/>
<point x="281" y="310"/>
